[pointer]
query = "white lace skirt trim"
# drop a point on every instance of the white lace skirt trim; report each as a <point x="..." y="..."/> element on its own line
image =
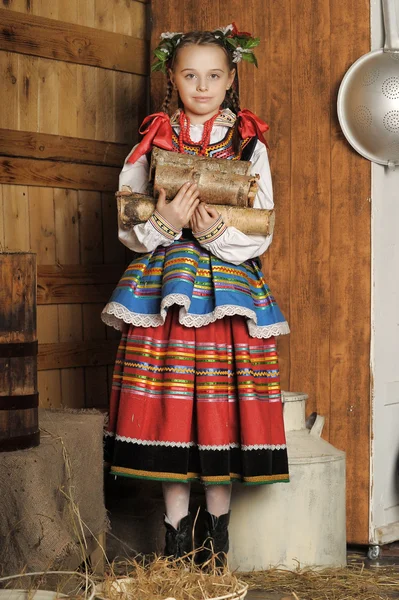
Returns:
<point x="122" y="438"/>
<point x="265" y="447"/>
<point x="221" y="447"/>
<point x="115" y="314"/>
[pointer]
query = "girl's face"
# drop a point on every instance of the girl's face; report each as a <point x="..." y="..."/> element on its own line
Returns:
<point x="201" y="75"/>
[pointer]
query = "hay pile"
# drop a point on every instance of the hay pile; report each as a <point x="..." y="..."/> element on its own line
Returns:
<point x="162" y="578"/>
<point x="351" y="583"/>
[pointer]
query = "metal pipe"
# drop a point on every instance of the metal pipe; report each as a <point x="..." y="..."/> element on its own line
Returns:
<point x="390" y="25"/>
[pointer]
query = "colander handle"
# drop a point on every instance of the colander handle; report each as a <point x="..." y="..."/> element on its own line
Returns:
<point x="390" y="25"/>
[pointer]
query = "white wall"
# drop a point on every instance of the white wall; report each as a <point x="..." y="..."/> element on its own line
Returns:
<point x="384" y="504"/>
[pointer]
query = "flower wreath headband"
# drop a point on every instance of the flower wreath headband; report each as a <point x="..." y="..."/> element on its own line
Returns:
<point x="240" y="43"/>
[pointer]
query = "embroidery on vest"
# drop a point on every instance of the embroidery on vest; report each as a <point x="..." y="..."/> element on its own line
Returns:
<point x="222" y="149"/>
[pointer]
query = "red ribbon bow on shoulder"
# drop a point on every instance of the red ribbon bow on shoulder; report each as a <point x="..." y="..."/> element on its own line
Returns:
<point x="250" y="125"/>
<point x="157" y="131"/>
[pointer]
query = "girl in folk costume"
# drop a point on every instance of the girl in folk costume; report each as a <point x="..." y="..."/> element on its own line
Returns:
<point x="196" y="392"/>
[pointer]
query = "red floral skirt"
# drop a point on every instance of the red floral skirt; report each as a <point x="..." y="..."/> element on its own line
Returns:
<point x="197" y="403"/>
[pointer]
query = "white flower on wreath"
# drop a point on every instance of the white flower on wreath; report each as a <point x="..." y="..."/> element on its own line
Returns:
<point x="225" y="30"/>
<point x="167" y="35"/>
<point x="238" y="52"/>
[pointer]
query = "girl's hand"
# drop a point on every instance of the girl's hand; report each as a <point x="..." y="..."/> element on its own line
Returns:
<point x="203" y="218"/>
<point x="178" y="212"/>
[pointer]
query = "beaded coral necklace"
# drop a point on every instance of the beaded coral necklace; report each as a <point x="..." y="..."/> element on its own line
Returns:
<point x="184" y="134"/>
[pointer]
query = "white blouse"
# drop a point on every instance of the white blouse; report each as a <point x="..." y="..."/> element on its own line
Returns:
<point x="232" y="245"/>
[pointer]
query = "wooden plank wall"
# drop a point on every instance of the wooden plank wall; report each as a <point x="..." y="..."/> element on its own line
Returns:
<point x="319" y="263"/>
<point x="73" y="88"/>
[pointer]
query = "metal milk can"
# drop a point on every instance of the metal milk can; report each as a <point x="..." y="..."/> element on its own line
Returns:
<point x="296" y="524"/>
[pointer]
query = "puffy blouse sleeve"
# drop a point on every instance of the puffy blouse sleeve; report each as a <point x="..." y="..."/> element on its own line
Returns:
<point x="143" y="237"/>
<point x="234" y="246"/>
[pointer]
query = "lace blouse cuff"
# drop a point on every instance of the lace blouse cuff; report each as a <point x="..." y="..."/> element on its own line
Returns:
<point x="212" y="233"/>
<point x="163" y="226"/>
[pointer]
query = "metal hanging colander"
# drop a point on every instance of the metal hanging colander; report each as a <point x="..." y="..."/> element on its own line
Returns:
<point x="368" y="98"/>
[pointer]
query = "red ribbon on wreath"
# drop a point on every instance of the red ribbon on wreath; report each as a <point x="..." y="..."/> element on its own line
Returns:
<point x="235" y="33"/>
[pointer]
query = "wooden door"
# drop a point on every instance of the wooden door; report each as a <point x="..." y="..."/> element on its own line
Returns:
<point x="319" y="264"/>
<point x="73" y="88"/>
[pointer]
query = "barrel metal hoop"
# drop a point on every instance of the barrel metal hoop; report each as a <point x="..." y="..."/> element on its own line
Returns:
<point x="18" y="349"/>
<point x="21" y="442"/>
<point x="19" y="402"/>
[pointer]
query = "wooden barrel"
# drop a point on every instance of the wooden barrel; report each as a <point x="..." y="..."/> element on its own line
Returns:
<point x="19" y="426"/>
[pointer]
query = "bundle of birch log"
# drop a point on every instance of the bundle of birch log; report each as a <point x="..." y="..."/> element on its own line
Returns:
<point x="226" y="184"/>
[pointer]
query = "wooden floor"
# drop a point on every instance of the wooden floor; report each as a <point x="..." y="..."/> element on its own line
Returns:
<point x="263" y="595"/>
<point x="356" y="555"/>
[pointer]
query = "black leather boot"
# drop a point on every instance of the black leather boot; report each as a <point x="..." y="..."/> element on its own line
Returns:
<point x="216" y="538"/>
<point x="179" y="542"/>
